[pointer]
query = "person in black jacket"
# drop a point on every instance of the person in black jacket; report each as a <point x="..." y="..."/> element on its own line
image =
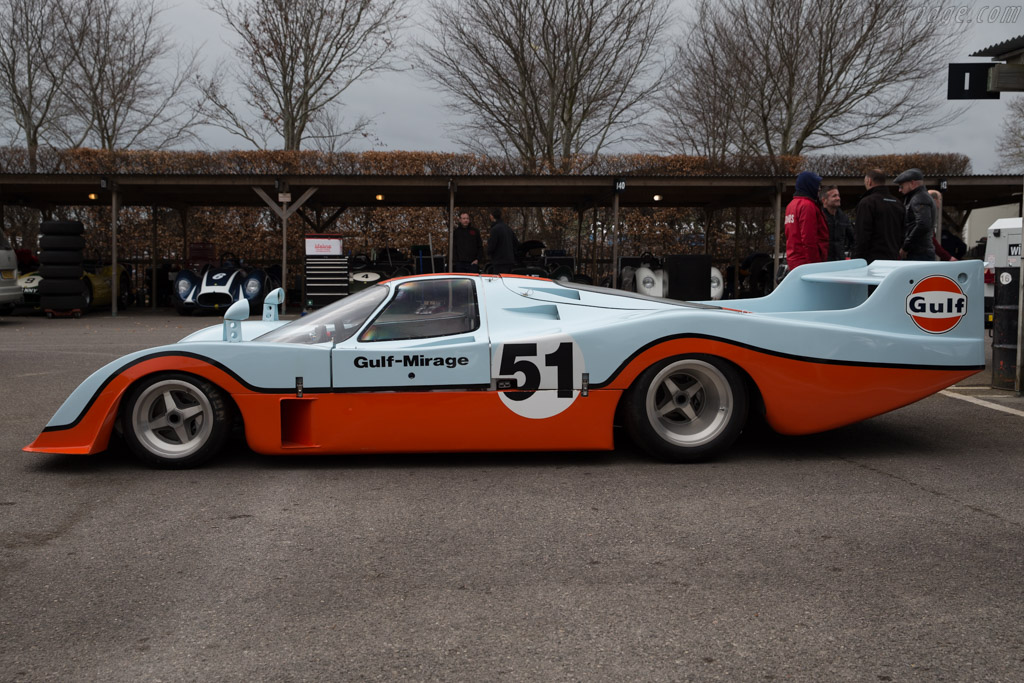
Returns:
<point x="840" y="229"/>
<point x="879" y="221"/>
<point x="467" y="246"/>
<point x="501" y="244"/>
<point x="919" y="217"/>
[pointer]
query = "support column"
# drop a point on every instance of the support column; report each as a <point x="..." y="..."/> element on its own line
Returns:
<point x="183" y="214"/>
<point x="115" y="212"/>
<point x="283" y="212"/>
<point x="778" y="230"/>
<point x="1018" y="386"/>
<point x="579" y="241"/>
<point x="615" y="240"/>
<point x="152" y="254"/>
<point x="452" y="189"/>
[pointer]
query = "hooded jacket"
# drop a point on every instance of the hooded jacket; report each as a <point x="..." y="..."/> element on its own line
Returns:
<point x="807" y="235"/>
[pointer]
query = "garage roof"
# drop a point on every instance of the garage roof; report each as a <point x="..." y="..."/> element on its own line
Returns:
<point x="47" y="190"/>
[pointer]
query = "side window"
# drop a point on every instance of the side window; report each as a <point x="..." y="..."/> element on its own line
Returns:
<point x="427" y="308"/>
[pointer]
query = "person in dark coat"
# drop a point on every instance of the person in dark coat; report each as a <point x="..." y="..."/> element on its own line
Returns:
<point x="878" y="225"/>
<point x="501" y="244"/>
<point x="840" y="229"/>
<point x="806" y="231"/>
<point x="918" y="217"/>
<point x="467" y="246"/>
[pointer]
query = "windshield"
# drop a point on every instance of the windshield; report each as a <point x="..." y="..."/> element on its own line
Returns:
<point x="336" y="322"/>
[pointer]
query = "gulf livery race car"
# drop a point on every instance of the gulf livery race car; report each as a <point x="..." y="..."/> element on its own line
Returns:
<point x="217" y="287"/>
<point x="448" y="363"/>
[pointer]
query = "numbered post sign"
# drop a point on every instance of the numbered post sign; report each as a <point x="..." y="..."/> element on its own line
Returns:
<point x="542" y="376"/>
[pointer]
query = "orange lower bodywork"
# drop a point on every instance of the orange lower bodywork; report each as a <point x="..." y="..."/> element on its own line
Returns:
<point x="800" y="397"/>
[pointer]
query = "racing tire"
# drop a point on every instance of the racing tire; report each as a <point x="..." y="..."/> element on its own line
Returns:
<point x="61" y="228"/>
<point x="72" y="272"/>
<point x="582" y="279"/>
<point x="63" y="302"/>
<point x="58" y="287"/>
<point x="61" y="242"/>
<point x="687" y="408"/>
<point x="60" y="258"/>
<point x="174" y="420"/>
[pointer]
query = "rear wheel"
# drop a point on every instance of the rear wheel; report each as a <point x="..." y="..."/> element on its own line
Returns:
<point x="687" y="408"/>
<point x="175" y="420"/>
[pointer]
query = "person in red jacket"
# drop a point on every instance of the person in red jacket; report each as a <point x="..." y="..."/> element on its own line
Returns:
<point x="806" y="230"/>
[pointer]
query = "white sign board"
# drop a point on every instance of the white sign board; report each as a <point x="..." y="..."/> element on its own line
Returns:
<point x="323" y="246"/>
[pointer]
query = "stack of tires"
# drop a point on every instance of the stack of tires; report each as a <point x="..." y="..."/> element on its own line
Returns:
<point x="62" y="291"/>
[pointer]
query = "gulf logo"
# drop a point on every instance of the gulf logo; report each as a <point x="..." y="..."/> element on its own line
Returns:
<point x="937" y="304"/>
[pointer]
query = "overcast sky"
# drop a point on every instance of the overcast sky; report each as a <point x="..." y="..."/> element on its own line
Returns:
<point x="410" y="115"/>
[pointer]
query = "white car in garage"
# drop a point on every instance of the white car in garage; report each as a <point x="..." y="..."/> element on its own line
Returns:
<point x="10" y="292"/>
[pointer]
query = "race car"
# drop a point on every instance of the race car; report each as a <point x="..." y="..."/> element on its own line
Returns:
<point x="463" y="363"/>
<point x="217" y="287"/>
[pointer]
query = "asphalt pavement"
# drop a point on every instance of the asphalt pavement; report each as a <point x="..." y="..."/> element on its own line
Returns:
<point x="890" y="550"/>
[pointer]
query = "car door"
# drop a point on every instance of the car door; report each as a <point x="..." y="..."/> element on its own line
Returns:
<point x="431" y="334"/>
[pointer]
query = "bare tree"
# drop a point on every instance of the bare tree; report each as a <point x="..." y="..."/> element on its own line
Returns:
<point x="804" y="75"/>
<point x="1011" y="138"/>
<point x="544" y="81"/>
<point x="295" y="58"/>
<point x="36" y="54"/>
<point x="130" y="85"/>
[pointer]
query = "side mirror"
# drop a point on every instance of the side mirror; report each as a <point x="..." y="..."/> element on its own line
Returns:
<point x="233" y="318"/>
<point x="271" y="305"/>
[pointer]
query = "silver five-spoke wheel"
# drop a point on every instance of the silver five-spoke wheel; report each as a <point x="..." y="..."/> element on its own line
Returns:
<point x="687" y="408"/>
<point x="174" y="420"/>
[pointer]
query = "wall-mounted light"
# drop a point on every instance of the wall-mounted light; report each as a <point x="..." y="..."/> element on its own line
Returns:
<point x="92" y="196"/>
<point x="658" y="197"/>
<point x="380" y="198"/>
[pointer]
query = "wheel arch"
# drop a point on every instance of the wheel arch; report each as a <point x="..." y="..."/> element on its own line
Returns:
<point x="85" y="423"/>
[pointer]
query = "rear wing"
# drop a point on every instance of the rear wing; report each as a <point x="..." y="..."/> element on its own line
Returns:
<point x="903" y="297"/>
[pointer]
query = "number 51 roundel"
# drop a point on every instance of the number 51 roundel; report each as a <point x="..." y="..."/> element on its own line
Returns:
<point x="543" y="375"/>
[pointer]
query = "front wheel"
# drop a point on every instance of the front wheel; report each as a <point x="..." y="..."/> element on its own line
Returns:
<point x="175" y="420"/>
<point x="687" y="409"/>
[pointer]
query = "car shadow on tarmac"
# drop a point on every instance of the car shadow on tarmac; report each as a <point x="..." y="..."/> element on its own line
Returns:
<point x="868" y="439"/>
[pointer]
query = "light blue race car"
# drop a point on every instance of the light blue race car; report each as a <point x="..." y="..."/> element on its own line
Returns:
<point x="449" y="362"/>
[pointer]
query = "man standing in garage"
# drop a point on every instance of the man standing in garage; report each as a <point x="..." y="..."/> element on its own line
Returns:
<point x="467" y="246"/>
<point x="501" y="244"/>
<point x="879" y="221"/>
<point x="918" y="217"/>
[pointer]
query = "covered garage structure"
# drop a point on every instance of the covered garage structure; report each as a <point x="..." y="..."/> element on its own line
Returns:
<point x="286" y="195"/>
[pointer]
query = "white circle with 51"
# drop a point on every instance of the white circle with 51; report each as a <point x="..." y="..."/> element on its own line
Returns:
<point x="544" y="375"/>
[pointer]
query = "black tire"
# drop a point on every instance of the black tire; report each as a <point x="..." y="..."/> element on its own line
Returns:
<point x="72" y="272"/>
<point x="67" y="302"/>
<point x="583" y="279"/>
<point x="61" y="242"/>
<point x="60" y="258"/>
<point x="61" y="228"/>
<point x="710" y="408"/>
<point x="187" y="435"/>
<point x="59" y="287"/>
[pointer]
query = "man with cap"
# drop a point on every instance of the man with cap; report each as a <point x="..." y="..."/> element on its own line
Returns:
<point x="918" y="217"/>
<point x="806" y="230"/>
